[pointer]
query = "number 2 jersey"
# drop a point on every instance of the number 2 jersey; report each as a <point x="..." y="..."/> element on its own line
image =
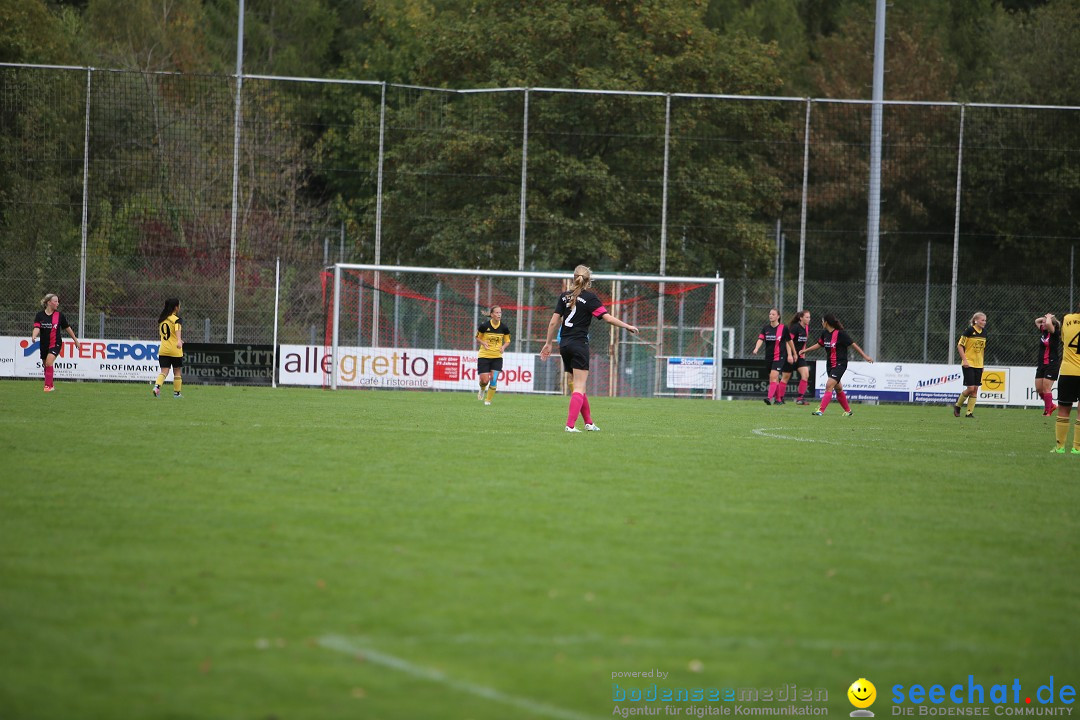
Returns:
<point x="1070" y="355"/>
<point x="576" y="320"/>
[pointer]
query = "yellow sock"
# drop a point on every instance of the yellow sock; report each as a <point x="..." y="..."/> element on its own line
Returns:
<point x="971" y="402"/>
<point x="490" y="393"/>
<point x="1061" y="431"/>
<point x="160" y="379"/>
<point x="176" y="383"/>
<point x="1076" y="434"/>
<point x="960" y="400"/>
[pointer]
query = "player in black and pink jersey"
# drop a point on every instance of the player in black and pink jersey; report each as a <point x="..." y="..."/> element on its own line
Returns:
<point x="836" y="341"/>
<point x="1049" y="360"/>
<point x="778" y="350"/>
<point x="47" y="326"/>
<point x="575" y="310"/>
<point x="799" y="328"/>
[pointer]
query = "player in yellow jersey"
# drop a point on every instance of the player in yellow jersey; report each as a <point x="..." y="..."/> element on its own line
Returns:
<point x="171" y="351"/>
<point x="1068" y="383"/>
<point x="494" y="337"/>
<point x="972" y="347"/>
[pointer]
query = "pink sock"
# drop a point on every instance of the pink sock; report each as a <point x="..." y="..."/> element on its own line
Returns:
<point x="48" y="376"/>
<point x="1048" y="400"/>
<point x="825" y="400"/>
<point x="586" y="413"/>
<point x="842" y="397"/>
<point x="772" y="390"/>
<point x="781" y="388"/>
<point x="576" y="401"/>
<point x="802" y="388"/>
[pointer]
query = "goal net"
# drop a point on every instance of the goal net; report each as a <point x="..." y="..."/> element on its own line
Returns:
<point x="415" y="328"/>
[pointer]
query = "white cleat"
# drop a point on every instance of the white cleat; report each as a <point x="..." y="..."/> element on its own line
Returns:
<point x="591" y="428"/>
<point x="480" y="394"/>
<point x="570" y="429"/>
<point x="487" y="402"/>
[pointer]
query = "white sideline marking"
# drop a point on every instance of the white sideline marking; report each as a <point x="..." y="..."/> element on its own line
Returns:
<point x="344" y="645"/>
<point x="764" y="432"/>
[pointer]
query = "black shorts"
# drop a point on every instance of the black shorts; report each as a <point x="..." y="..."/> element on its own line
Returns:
<point x="168" y="361"/>
<point x="776" y="365"/>
<point x="486" y="365"/>
<point x="575" y="355"/>
<point x="800" y="363"/>
<point x="46" y="352"/>
<point x="972" y="376"/>
<point x="1050" y="372"/>
<point x="836" y="372"/>
<point x="1068" y="391"/>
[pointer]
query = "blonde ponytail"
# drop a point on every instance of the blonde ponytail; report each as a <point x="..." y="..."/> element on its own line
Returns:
<point x="582" y="280"/>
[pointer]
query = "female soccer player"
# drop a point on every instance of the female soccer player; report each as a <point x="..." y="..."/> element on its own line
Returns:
<point x="799" y="328"/>
<point x="1069" y="385"/>
<point x="575" y="309"/>
<point x="494" y="338"/>
<point x="972" y="347"/>
<point x="778" y="350"/>
<point x="1049" y="360"/>
<point x="836" y="340"/>
<point x="171" y="350"/>
<point x="47" y="326"/>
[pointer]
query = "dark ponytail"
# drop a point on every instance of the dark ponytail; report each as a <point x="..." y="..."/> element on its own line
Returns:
<point x="170" y="305"/>
<point x="833" y="322"/>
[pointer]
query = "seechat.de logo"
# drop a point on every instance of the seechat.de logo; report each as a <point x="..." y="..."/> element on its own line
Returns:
<point x="862" y="695"/>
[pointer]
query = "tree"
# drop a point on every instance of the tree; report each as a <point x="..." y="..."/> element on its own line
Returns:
<point x="595" y="161"/>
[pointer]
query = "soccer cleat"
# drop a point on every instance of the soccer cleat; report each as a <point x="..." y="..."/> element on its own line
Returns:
<point x="779" y="402"/>
<point x="1051" y="411"/>
<point x="817" y="412"/>
<point x="177" y="395"/>
<point x="570" y="429"/>
<point x="480" y="394"/>
<point x="487" y="402"/>
<point x="847" y="413"/>
<point x="1059" y="450"/>
<point x="956" y="411"/>
<point x="970" y="415"/>
<point x="49" y="388"/>
<point x="767" y="401"/>
<point x="157" y="391"/>
<point x="591" y="428"/>
<point x="800" y="401"/>
<point x="1074" y="451"/>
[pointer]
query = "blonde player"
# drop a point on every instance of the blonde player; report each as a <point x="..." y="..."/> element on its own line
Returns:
<point x="494" y="338"/>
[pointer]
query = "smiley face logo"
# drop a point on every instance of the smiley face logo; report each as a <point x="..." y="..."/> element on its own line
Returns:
<point x="862" y="693"/>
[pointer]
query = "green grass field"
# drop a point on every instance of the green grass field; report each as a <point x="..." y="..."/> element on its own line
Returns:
<point x="295" y="553"/>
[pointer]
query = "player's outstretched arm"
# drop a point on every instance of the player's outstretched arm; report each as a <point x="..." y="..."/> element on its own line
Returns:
<point x="612" y="320"/>
<point x="858" y="349"/>
<point x="805" y="350"/>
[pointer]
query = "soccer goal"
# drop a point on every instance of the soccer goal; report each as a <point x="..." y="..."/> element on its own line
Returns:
<point x="414" y="327"/>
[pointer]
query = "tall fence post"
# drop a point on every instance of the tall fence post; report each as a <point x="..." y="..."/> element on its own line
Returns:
<point x="956" y="237"/>
<point x="375" y="289"/>
<point x="236" y="171"/>
<point x="802" y="209"/>
<point x="85" y="206"/>
<point x="521" y="218"/>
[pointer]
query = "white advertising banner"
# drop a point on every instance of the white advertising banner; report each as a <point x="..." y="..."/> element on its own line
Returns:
<point x="398" y="368"/>
<point x="929" y="383"/>
<point x="691" y="372"/>
<point x="91" y="359"/>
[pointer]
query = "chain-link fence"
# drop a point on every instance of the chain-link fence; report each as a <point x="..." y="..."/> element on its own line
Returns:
<point x="119" y="189"/>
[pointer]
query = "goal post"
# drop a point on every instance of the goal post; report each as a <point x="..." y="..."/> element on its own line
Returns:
<point x="415" y="327"/>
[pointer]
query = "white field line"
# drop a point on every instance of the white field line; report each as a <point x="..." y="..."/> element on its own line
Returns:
<point x="344" y="645"/>
<point x="771" y="434"/>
